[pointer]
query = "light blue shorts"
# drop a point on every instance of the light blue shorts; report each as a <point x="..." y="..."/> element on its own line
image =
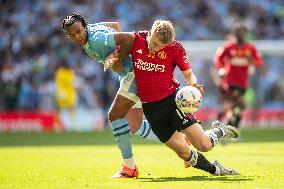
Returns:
<point x="128" y="89"/>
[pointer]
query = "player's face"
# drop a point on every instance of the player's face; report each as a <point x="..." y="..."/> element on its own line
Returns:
<point x="240" y="32"/>
<point x="77" y="33"/>
<point x="154" y="43"/>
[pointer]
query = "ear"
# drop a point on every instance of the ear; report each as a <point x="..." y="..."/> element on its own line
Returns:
<point x="66" y="34"/>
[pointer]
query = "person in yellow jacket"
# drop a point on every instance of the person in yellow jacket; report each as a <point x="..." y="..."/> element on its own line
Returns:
<point x="66" y="94"/>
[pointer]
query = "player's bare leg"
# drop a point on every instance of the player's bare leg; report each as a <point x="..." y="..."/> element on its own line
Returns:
<point x="120" y="107"/>
<point x="121" y="132"/>
<point x="194" y="158"/>
<point x="226" y="113"/>
<point x="237" y="106"/>
<point x="121" y="129"/>
<point x="205" y="141"/>
<point x="198" y="138"/>
<point x="135" y="118"/>
<point x="138" y="126"/>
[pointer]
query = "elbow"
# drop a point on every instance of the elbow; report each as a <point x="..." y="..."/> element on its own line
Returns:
<point x="118" y="27"/>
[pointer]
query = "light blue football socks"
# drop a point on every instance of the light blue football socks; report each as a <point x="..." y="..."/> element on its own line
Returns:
<point x="121" y="132"/>
<point x="146" y="132"/>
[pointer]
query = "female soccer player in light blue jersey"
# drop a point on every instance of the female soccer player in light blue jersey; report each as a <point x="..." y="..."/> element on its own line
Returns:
<point x="98" y="41"/>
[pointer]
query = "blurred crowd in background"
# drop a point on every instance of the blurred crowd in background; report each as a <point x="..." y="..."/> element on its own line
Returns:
<point x="33" y="46"/>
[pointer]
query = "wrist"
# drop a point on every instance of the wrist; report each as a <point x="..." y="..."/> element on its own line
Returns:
<point x="192" y="80"/>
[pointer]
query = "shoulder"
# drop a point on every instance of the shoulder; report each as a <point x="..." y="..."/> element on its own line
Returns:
<point x="177" y="46"/>
<point x="229" y="44"/>
<point x="250" y="45"/>
<point x="94" y="25"/>
<point x="141" y="34"/>
<point x="226" y="47"/>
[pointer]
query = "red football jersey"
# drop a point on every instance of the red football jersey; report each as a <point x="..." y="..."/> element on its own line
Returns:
<point x="154" y="72"/>
<point x="236" y="60"/>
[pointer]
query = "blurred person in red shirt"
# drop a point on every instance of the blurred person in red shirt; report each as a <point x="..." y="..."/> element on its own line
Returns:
<point x="234" y="62"/>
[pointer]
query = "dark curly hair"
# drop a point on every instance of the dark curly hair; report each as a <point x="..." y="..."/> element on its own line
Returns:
<point x="72" y="18"/>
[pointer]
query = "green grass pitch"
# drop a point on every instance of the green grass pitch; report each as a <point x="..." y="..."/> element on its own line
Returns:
<point x="87" y="160"/>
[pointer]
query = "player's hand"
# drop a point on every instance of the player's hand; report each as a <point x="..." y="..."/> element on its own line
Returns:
<point x="109" y="63"/>
<point x="221" y="72"/>
<point x="199" y="87"/>
<point x="110" y="60"/>
<point x="192" y="81"/>
<point x="251" y="69"/>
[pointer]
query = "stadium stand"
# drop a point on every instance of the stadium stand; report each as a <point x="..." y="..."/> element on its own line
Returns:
<point x="33" y="46"/>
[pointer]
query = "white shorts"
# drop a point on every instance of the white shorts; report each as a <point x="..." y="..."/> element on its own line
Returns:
<point x="128" y="89"/>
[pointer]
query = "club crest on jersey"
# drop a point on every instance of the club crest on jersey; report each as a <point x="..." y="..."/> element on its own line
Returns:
<point x="162" y="55"/>
<point x="151" y="55"/>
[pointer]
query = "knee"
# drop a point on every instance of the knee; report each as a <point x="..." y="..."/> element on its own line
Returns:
<point x="203" y="146"/>
<point x="114" y="115"/>
<point x="134" y="127"/>
<point x="110" y="115"/>
<point x="118" y="112"/>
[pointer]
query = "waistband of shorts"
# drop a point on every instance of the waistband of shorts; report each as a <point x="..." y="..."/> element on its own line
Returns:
<point x="162" y="101"/>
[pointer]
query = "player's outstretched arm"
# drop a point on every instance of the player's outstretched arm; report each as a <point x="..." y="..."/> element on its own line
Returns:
<point x="124" y="40"/>
<point x="114" y="25"/>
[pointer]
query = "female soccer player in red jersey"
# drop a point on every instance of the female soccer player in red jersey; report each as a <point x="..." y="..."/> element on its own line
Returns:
<point x="155" y="54"/>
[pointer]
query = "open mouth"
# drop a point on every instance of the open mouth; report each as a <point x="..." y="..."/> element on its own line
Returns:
<point x="80" y="41"/>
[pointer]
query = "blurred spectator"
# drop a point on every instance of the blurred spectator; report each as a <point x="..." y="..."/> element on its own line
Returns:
<point x="66" y="91"/>
<point x="32" y="43"/>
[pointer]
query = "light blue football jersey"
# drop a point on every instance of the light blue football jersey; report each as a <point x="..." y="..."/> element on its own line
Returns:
<point x="101" y="43"/>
